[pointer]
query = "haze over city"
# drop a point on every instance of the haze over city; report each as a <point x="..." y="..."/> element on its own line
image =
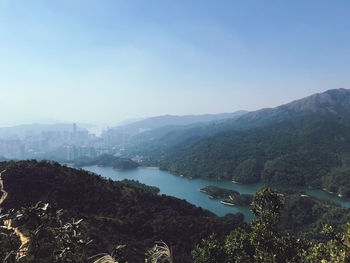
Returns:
<point x="107" y="61"/>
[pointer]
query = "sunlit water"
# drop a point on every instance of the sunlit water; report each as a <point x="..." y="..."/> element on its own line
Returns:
<point x="188" y="190"/>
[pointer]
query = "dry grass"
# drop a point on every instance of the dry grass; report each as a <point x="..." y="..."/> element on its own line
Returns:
<point x="161" y="253"/>
<point x="105" y="259"/>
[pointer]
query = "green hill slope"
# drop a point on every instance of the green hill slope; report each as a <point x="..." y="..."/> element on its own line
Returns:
<point x="301" y="143"/>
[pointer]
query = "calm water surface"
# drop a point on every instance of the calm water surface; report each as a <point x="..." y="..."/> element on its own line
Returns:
<point x="188" y="190"/>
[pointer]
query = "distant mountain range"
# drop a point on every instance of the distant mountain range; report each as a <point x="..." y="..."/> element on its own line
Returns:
<point x="305" y="142"/>
<point x="172" y="120"/>
<point x="334" y="103"/>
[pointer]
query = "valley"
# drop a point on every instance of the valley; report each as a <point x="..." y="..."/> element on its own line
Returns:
<point x="189" y="190"/>
<point x="301" y="149"/>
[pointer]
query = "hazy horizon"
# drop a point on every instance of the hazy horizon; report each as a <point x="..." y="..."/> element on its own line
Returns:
<point x="109" y="61"/>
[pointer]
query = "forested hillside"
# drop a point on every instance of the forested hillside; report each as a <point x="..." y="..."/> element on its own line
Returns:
<point x="70" y="215"/>
<point x="263" y="241"/>
<point x="113" y="213"/>
<point x="305" y="142"/>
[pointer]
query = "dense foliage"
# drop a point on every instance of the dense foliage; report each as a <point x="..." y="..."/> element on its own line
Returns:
<point x="262" y="241"/>
<point x="301" y="215"/>
<point x="304" y="142"/>
<point x="137" y="184"/>
<point x="86" y="215"/>
<point x="311" y="151"/>
<point x="51" y="236"/>
<point x="305" y="216"/>
<point x="112" y="212"/>
<point x="338" y="181"/>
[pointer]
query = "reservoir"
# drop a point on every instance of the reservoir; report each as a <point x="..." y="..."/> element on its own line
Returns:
<point x="184" y="188"/>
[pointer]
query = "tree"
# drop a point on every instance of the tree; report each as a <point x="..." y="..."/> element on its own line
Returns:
<point x="336" y="250"/>
<point x="210" y="251"/>
<point x="259" y="242"/>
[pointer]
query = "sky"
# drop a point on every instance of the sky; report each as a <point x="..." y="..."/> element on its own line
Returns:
<point x="104" y="61"/>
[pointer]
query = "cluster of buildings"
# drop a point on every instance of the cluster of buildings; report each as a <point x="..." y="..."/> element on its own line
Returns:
<point x="65" y="145"/>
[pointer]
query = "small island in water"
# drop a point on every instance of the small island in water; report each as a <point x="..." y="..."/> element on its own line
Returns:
<point x="230" y="197"/>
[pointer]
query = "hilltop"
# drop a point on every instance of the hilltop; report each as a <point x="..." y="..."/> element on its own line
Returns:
<point x="334" y="103"/>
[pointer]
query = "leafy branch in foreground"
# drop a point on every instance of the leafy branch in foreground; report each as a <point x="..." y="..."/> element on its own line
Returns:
<point x="337" y="249"/>
<point x="56" y="237"/>
<point x="50" y="238"/>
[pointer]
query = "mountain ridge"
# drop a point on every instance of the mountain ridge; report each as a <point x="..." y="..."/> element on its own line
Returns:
<point x="154" y="144"/>
<point x="304" y="142"/>
<point x="334" y="102"/>
<point x="173" y="120"/>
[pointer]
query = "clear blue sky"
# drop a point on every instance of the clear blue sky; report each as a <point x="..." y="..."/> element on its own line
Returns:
<point x="102" y="61"/>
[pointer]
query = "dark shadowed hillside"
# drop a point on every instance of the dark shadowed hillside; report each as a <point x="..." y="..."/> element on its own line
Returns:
<point x="113" y="213"/>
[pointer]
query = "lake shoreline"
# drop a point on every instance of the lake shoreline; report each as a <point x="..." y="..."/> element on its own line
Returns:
<point x="177" y="186"/>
